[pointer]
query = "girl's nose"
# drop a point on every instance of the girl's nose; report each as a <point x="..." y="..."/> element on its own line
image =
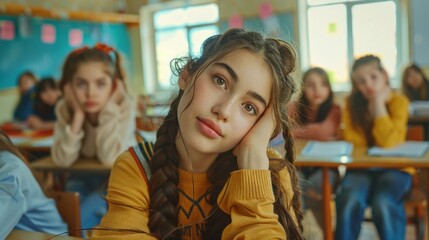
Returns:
<point x="223" y="109"/>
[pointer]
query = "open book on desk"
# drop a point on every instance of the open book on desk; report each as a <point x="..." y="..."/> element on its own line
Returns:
<point x="327" y="149"/>
<point x="407" y="149"/>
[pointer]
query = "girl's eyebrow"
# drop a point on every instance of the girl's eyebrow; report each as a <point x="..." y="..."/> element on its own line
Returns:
<point x="234" y="76"/>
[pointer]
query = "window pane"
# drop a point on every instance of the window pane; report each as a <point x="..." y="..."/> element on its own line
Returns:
<point x="192" y="15"/>
<point x="169" y="18"/>
<point x="202" y="14"/>
<point x="327" y="38"/>
<point x="169" y="44"/>
<point x="374" y="32"/>
<point x="197" y="37"/>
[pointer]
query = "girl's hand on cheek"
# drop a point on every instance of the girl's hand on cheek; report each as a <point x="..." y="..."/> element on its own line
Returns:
<point x="251" y="152"/>
<point x="71" y="100"/>
<point x="119" y="92"/>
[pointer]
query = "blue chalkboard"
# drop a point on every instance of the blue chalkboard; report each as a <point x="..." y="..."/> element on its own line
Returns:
<point x="28" y="52"/>
<point x="285" y="21"/>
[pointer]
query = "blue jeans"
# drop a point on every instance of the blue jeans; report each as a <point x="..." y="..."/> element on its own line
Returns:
<point x="383" y="190"/>
<point x="92" y="190"/>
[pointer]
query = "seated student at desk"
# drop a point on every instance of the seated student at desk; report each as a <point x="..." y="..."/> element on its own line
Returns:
<point x="373" y="116"/>
<point x="317" y="117"/>
<point x="415" y="84"/>
<point x="24" y="109"/>
<point x="23" y="205"/>
<point x="96" y="119"/>
<point x="46" y="96"/>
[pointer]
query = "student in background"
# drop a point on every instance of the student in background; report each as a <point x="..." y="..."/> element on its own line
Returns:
<point x="46" y="96"/>
<point x="415" y="84"/>
<point x="23" y="205"/>
<point x="373" y="116"/>
<point x="26" y="82"/>
<point x="209" y="175"/>
<point x="316" y="117"/>
<point x="95" y="119"/>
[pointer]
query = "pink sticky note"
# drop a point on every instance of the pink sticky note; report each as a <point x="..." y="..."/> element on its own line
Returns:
<point x="235" y="21"/>
<point x="265" y="10"/>
<point x="75" y="37"/>
<point x="48" y="33"/>
<point x="7" y="30"/>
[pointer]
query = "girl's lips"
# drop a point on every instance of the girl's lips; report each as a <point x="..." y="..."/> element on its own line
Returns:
<point x="209" y="128"/>
<point x="90" y="103"/>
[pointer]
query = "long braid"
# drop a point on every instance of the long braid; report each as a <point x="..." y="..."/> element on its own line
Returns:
<point x="164" y="193"/>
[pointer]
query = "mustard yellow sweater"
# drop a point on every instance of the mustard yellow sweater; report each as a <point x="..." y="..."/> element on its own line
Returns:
<point x="247" y="197"/>
<point x="387" y="131"/>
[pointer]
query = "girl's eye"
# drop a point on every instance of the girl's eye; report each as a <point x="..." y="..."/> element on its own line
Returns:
<point x="80" y="83"/>
<point x="101" y="84"/>
<point x="220" y="81"/>
<point x="250" y="108"/>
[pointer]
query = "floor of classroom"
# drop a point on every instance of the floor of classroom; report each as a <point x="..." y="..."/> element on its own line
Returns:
<point x="368" y="230"/>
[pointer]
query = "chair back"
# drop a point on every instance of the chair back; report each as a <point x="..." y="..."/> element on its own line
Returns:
<point x="68" y="204"/>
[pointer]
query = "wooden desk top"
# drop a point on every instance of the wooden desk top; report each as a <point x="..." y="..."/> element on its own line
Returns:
<point x="24" y="235"/>
<point x="359" y="159"/>
<point x="82" y="165"/>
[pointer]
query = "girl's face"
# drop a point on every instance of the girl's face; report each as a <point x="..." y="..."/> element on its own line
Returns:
<point x="316" y="90"/>
<point x="26" y="83"/>
<point x="92" y="86"/>
<point x="50" y="96"/>
<point x="370" y="80"/>
<point x="414" y="79"/>
<point x="224" y="103"/>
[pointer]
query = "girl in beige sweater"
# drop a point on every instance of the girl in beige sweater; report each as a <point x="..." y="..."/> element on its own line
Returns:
<point x="96" y="118"/>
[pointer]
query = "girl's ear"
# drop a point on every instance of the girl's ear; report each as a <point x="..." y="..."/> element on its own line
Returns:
<point x="184" y="79"/>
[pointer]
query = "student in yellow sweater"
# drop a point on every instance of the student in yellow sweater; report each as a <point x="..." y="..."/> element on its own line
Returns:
<point x="373" y="116"/>
<point x="209" y="176"/>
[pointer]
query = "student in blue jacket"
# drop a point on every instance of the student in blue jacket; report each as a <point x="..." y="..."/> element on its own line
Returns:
<point x="23" y="205"/>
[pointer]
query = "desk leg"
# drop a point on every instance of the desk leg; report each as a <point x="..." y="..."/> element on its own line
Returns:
<point x="327" y="218"/>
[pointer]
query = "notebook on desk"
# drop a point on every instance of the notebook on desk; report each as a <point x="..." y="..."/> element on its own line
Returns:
<point x="407" y="149"/>
<point x="327" y="149"/>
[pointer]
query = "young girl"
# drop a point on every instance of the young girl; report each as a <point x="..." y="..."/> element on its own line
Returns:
<point x="96" y="119"/>
<point x="47" y="94"/>
<point x="374" y="116"/>
<point x="415" y="84"/>
<point x="23" y="203"/>
<point x="317" y="117"/>
<point x="208" y="175"/>
<point x="24" y="109"/>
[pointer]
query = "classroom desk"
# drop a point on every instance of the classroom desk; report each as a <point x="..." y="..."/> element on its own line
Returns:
<point x="24" y="235"/>
<point x="420" y="121"/>
<point x="83" y="165"/>
<point x="48" y="168"/>
<point x="358" y="159"/>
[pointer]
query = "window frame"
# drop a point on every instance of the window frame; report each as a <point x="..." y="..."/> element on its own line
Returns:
<point x="402" y="37"/>
<point x="148" y="44"/>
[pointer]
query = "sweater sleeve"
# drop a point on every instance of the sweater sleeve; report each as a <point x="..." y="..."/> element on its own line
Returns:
<point x="128" y="213"/>
<point x="248" y="197"/>
<point x="323" y="131"/>
<point x="391" y="130"/>
<point x="13" y="203"/>
<point x="115" y="131"/>
<point x="67" y="145"/>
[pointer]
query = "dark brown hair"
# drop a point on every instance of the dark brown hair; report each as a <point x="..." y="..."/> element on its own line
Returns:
<point x="27" y="74"/>
<point x="7" y="145"/>
<point x="303" y="105"/>
<point x="357" y="103"/>
<point x="164" y="192"/>
<point x="98" y="53"/>
<point x="44" y="84"/>
<point x="422" y="92"/>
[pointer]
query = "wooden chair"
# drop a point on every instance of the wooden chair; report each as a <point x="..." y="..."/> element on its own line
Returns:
<point x="68" y="204"/>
